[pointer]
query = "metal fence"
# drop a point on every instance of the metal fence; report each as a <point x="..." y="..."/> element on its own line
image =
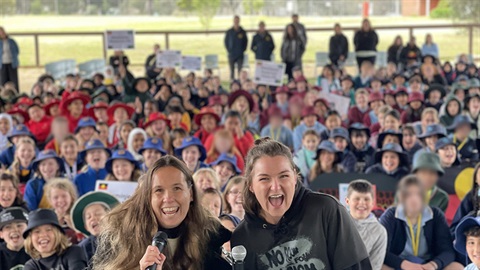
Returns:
<point x="179" y="39"/>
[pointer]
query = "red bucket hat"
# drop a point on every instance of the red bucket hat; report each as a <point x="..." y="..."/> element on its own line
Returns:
<point x="375" y="96"/>
<point x="300" y="79"/>
<point x="52" y="103"/>
<point x="308" y="111"/>
<point x="233" y="96"/>
<point x="322" y="100"/>
<point x="72" y="97"/>
<point x="282" y="90"/>
<point x="23" y="113"/>
<point x="24" y="101"/>
<point x="155" y="117"/>
<point x="415" y="96"/>
<point x="205" y="111"/>
<point x="111" y="110"/>
<point x="214" y="100"/>
<point x="274" y="111"/>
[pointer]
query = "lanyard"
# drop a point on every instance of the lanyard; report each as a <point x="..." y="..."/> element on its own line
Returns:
<point x="277" y="136"/>
<point x="461" y="145"/>
<point x="415" y="237"/>
<point x="429" y="195"/>
<point x="70" y="173"/>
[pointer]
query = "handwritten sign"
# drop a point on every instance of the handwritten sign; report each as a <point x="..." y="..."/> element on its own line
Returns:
<point x="336" y="102"/>
<point x="121" y="190"/>
<point x="119" y="39"/>
<point x="192" y="63"/>
<point x="269" y="73"/>
<point x="169" y="59"/>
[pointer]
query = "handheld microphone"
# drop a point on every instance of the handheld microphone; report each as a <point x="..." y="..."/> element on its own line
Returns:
<point x="238" y="253"/>
<point x="159" y="241"/>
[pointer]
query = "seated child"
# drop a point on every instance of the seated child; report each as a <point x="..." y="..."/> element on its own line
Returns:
<point x="95" y="155"/>
<point x="304" y="158"/>
<point x="206" y="178"/>
<point x="58" y="253"/>
<point x="339" y="136"/>
<point x="122" y="166"/>
<point x="360" y="199"/>
<point x="13" y="221"/>
<point x="193" y="153"/>
<point x="467" y="241"/>
<point x="212" y="201"/>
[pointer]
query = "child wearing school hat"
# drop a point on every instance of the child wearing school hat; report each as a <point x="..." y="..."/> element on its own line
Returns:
<point x="13" y="221"/>
<point x="467" y="241"/>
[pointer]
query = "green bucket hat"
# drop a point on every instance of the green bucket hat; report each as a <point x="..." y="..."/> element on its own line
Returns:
<point x="95" y="197"/>
<point x="429" y="161"/>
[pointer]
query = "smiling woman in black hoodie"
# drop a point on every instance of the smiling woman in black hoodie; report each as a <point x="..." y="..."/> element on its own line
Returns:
<point x="289" y="227"/>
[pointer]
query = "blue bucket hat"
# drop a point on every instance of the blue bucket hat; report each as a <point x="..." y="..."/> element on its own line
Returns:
<point x="359" y="126"/>
<point x="381" y="137"/>
<point x="92" y="145"/>
<point x="191" y="141"/>
<point x="461" y="120"/>
<point x="232" y="159"/>
<point x="392" y="147"/>
<point x="21" y="130"/>
<point x="86" y="122"/>
<point x="46" y="154"/>
<point x="120" y="154"/>
<point x="340" y="132"/>
<point x="443" y="142"/>
<point x="460" y="238"/>
<point x="329" y="147"/>
<point x="153" y="143"/>
<point x="235" y="220"/>
<point x="434" y="129"/>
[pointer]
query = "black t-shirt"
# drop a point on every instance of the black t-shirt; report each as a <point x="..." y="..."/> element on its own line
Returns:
<point x="73" y="259"/>
<point x="12" y="260"/>
<point x="315" y="233"/>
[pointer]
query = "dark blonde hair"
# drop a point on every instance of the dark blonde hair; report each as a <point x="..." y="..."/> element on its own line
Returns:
<point x="265" y="147"/>
<point x="128" y="229"/>
<point x="61" y="244"/>
<point x="63" y="184"/>
<point x="237" y="180"/>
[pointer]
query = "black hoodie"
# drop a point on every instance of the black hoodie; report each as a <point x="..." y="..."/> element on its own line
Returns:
<point x="315" y="233"/>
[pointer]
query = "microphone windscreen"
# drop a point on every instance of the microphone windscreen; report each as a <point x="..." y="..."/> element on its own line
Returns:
<point x="239" y="253"/>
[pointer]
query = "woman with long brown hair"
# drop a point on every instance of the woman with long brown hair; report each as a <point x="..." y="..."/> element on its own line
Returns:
<point x="166" y="200"/>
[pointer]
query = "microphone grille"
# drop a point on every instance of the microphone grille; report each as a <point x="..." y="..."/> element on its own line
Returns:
<point x="160" y="236"/>
<point x="239" y="253"/>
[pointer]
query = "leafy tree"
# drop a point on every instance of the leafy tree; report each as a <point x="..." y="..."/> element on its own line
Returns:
<point x="8" y="7"/>
<point x="465" y="10"/>
<point x="206" y="10"/>
<point x="185" y="5"/>
<point x="252" y="6"/>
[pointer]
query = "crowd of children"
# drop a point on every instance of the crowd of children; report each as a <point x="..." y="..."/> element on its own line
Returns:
<point x="59" y="139"/>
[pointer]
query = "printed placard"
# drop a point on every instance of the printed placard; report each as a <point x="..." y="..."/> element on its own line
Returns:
<point x="269" y="73"/>
<point x="338" y="103"/>
<point x="169" y="59"/>
<point x="192" y="63"/>
<point x="120" y="39"/>
<point x="120" y="189"/>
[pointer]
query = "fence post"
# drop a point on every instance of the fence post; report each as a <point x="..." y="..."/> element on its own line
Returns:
<point x="167" y="43"/>
<point x="470" y="40"/>
<point x="104" y="49"/>
<point x="410" y="32"/>
<point x="37" y="50"/>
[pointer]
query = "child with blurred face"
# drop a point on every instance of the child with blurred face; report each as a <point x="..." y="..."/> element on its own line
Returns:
<point x="102" y="128"/>
<point x="212" y="201"/>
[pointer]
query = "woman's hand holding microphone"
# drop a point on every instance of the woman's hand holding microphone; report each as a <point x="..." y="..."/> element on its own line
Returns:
<point x="152" y="255"/>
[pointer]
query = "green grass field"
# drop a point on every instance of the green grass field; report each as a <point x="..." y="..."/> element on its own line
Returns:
<point x="83" y="48"/>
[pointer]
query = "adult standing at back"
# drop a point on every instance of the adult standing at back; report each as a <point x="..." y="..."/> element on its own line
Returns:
<point x="236" y="41"/>
<point x="365" y="41"/>
<point x="301" y="32"/>
<point x="151" y="69"/>
<point x="292" y="50"/>
<point x="338" y="52"/>
<point x="8" y="59"/>
<point x="262" y="43"/>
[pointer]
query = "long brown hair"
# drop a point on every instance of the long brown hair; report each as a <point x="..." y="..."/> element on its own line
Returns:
<point x="128" y="229"/>
<point x="263" y="147"/>
<point x="15" y="167"/>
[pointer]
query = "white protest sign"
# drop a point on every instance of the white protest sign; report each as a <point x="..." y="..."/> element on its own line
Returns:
<point x="119" y="39"/>
<point x="191" y="63"/>
<point x="269" y="73"/>
<point x="121" y="190"/>
<point x="169" y="59"/>
<point x="336" y="102"/>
